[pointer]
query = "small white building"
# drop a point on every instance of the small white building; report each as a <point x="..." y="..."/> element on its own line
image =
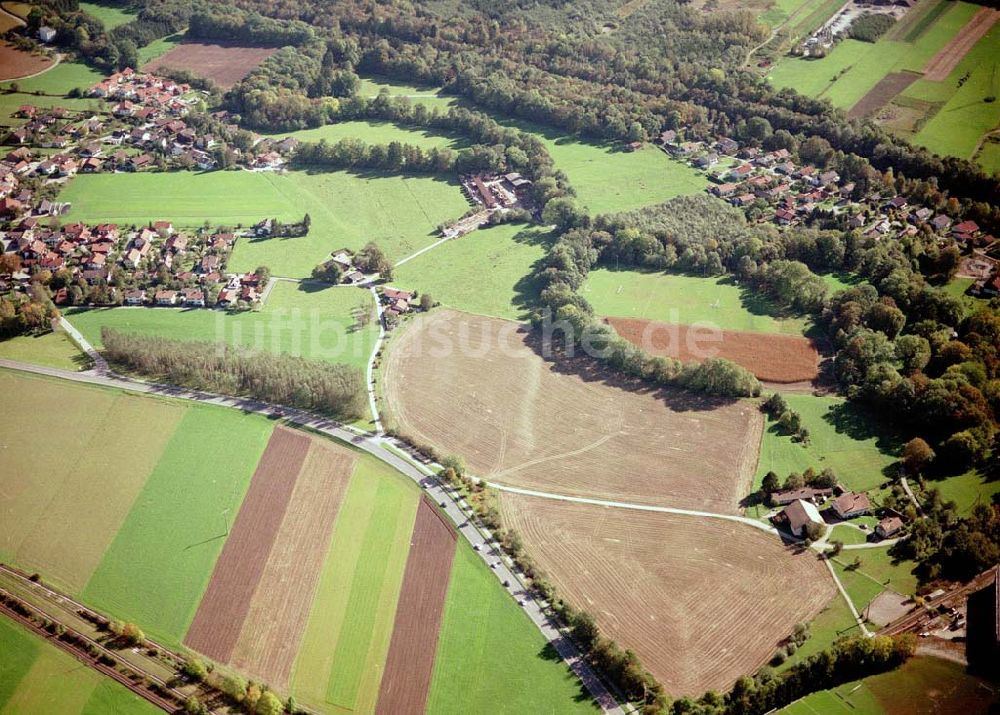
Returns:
<point x="46" y="34"/>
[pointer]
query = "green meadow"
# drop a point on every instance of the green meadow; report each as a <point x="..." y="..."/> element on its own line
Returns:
<point x="159" y="564"/>
<point x="37" y="677"/>
<point x="485" y="272"/>
<point x="677" y="298"/>
<point x="112" y="17"/>
<point x="967" y="490"/>
<point x="378" y="133"/>
<point x="877" y="572"/>
<point x="840" y="437"/>
<point x="833" y="622"/>
<point x="54" y="84"/>
<point x="401" y="214"/>
<point x="304" y="319"/>
<point x="480" y="622"/>
<point x="53" y="349"/>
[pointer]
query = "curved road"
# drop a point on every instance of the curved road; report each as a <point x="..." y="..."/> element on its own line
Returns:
<point x="375" y="446"/>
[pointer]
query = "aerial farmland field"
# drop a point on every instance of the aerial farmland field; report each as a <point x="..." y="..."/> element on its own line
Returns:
<point x="51" y="349"/>
<point x="377" y="132"/>
<point x="724" y="595"/>
<point x="310" y="320"/>
<point x="501" y="258"/>
<point x="37" y="677"/>
<point x="347" y="210"/>
<point x="476" y="387"/>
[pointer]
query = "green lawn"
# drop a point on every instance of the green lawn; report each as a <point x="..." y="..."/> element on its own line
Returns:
<point x="378" y="133"/>
<point x="37" y="677"/>
<point x="967" y="489"/>
<point x="861" y="588"/>
<point x="847" y="534"/>
<point x="854" y="67"/>
<point x="989" y="157"/>
<point x="780" y="11"/>
<point x="921" y="685"/>
<point x="299" y="319"/>
<point x="485" y="272"/>
<point x="676" y="298"/>
<point x="876" y="573"/>
<point x="958" y="126"/>
<point x="347" y="210"/>
<point x="491" y="658"/>
<point x="841" y="437"/>
<point x="54" y="84"/>
<point x="112" y="17"/>
<point x="51" y="349"/>
<point x="158" y="566"/>
<point x="347" y="637"/>
<point x="429" y="96"/>
<point x="158" y="48"/>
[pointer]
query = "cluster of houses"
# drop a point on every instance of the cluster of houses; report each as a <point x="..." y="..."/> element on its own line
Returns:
<point x="496" y="191"/>
<point x="801" y="508"/>
<point x="773" y="187"/>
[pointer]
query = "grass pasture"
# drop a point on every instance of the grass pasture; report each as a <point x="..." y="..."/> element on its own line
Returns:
<point x="53" y="349"/>
<point x="112" y="17"/>
<point x="501" y="259"/>
<point x="380" y="132"/>
<point x="309" y="320"/>
<point x="840" y="437"/>
<point x="347" y="210"/>
<point x="37" y="677"/>
<point x="677" y="298"/>
<point x="481" y="621"/>
<point x="178" y="522"/>
<point x="834" y="621"/>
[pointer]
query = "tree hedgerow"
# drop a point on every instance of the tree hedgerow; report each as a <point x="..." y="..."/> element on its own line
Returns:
<point x="331" y="389"/>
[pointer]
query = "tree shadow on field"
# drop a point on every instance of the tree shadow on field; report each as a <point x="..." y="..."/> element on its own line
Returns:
<point x="528" y="287"/>
<point x="589" y="369"/>
<point x="549" y="653"/>
<point x="857" y="424"/>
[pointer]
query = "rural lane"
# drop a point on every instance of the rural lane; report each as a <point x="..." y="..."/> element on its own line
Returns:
<point x="375" y="446"/>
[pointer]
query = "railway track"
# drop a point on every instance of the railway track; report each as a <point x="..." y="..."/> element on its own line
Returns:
<point x="926" y="613"/>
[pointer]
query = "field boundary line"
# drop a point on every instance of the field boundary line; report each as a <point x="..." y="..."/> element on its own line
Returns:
<point x="850" y="604"/>
<point x="423" y="250"/>
<point x="637" y="507"/>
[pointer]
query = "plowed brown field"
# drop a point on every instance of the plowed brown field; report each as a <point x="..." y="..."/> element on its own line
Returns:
<point x="701" y="601"/>
<point x="224" y="606"/>
<point x="774" y="358"/>
<point x="224" y="64"/>
<point x="521" y="420"/>
<point x="941" y="64"/>
<point x="879" y="95"/>
<point x="274" y="625"/>
<point x="15" y="63"/>
<point x="410" y="663"/>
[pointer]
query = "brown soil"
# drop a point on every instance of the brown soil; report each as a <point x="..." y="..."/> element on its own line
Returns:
<point x="774" y="358"/>
<point x="223" y="609"/>
<point x="564" y="426"/>
<point x="279" y="611"/>
<point x="14" y="63"/>
<point x="940" y="65"/>
<point x="701" y="601"/>
<point x="879" y="95"/>
<point x="410" y="662"/>
<point x="224" y="64"/>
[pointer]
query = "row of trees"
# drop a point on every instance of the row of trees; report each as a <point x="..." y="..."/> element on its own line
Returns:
<point x="330" y="389"/>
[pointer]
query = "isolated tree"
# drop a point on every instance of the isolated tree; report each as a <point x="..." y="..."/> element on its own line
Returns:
<point x="269" y="704"/>
<point x="426" y="301"/>
<point x="770" y="483"/>
<point x="133" y="635"/>
<point x="329" y="272"/>
<point x="917" y="454"/>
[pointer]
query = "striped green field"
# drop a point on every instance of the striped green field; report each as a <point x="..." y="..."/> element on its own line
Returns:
<point x="159" y="564"/>
<point x="347" y="637"/>
<point x="50" y="349"/>
<point x="37" y="677"/>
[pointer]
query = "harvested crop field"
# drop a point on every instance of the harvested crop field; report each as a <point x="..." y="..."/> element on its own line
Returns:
<point x="941" y="65"/>
<point x="223" y="609"/>
<point x="701" y="602"/>
<point x="773" y="358"/>
<point x="15" y="63"/>
<point x="521" y="420"/>
<point x="224" y="64"/>
<point x="879" y="95"/>
<point x="277" y="618"/>
<point x="410" y="663"/>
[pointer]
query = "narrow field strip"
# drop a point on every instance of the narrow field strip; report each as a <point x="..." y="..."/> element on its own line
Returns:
<point x="17" y="654"/>
<point x="279" y="610"/>
<point x="81" y="520"/>
<point x="56" y="683"/>
<point x="941" y="65"/>
<point x="157" y="568"/>
<point x="223" y="609"/>
<point x="410" y="663"/>
<point x="374" y="592"/>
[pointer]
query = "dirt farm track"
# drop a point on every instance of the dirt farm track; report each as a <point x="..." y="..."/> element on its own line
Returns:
<point x="700" y="603"/>
<point x="476" y="387"/>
